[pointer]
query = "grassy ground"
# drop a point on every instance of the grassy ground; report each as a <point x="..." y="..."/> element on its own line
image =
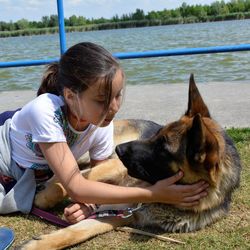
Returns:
<point x="232" y="232"/>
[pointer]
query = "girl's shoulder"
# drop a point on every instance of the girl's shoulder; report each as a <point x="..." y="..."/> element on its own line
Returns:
<point x="45" y="105"/>
<point x="44" y="102"/>
<point x="49" y="99"/>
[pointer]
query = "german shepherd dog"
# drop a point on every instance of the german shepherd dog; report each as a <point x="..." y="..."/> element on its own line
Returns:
<point x="195" y="144"/>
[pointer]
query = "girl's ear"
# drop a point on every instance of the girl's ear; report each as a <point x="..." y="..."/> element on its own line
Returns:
<point x="69" y="96"/>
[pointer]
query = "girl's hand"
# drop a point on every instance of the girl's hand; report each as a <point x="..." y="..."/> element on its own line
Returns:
<point x="77" y="211"/>
<point x="166" y="191"/>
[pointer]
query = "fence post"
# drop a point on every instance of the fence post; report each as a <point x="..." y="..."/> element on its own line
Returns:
<point x="61" y="26"/>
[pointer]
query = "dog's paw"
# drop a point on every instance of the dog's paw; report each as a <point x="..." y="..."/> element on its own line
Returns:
<point x="183" y="226"/>
<point x="33" y="244"/>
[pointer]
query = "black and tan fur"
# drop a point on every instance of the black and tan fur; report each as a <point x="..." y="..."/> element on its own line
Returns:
<point x="195" y="143"/>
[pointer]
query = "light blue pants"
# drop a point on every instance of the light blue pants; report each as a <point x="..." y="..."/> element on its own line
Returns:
<point x="21" y="196"/>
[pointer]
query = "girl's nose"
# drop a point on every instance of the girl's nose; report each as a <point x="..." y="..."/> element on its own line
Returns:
<point x="115" y="105"/>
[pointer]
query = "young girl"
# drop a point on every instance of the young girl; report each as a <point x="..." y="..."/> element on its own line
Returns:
<point x="73" y="114"/>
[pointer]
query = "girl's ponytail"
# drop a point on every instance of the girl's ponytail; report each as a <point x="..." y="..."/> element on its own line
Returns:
<point x="50" y="82"/>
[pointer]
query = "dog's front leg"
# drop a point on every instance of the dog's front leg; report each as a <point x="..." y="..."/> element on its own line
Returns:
<point x="111" y="171"/>
<point x="53" y="193"/>
<point x="74" y="234"/>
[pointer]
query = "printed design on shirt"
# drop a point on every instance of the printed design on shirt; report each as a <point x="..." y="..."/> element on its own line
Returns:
<point x="33" y="146"/>
<point x="60" y="118"/>
<point x="38" y="166"/>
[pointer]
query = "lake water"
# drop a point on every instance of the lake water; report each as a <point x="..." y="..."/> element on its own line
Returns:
<point x="223" y="67"/>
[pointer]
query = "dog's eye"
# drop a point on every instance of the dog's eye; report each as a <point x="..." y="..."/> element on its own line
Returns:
<point x="217" y="166"/>
<point x="171" y="144"/>
<point x="166" y="139"/>
<point x="169" y="140"/>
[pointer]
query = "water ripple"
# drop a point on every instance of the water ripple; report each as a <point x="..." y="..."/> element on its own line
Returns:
<point x="224" y="67"/>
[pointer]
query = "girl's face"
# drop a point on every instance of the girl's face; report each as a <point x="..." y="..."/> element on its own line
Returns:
<point x="89" y="107"/>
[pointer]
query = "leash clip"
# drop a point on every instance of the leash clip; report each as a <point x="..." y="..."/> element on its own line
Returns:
<point x="129" y="211"/>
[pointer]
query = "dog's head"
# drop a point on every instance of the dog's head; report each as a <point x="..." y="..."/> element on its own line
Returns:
<point x="193" y="144"/>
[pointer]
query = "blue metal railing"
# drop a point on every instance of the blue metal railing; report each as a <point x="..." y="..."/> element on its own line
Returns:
<point x="125" y="55"/>
<point x="180" y="52"/>
<point x="61" y="26"/>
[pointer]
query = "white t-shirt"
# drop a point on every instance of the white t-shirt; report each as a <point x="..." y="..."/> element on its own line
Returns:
<point x="43" y="120"/>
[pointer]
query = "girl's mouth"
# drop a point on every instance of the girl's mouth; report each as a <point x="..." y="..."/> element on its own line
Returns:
<point x="109" y="119"/>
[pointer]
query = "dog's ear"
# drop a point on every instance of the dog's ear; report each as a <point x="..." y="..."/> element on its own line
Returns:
<point x="203" y="148"/>
<point x="195" y="102"/>
<point x="196" y="141"/>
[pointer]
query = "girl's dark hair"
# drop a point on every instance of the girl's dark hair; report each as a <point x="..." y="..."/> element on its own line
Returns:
<point x="80" y="66"/>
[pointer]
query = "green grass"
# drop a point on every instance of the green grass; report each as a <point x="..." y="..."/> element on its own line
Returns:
<point x="239" y="135"/>
<point x="231" y="232"/>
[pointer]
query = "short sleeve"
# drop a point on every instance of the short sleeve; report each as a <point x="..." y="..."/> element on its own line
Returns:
<point x="46" y="120"/>
<point x="102" y="147"/>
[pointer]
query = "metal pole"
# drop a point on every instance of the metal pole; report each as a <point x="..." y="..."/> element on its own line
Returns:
<point x="184" y="51"/>
<point x="144" y="54"/>
<point x="61" y="26"/>
<point x="25" y="63"/>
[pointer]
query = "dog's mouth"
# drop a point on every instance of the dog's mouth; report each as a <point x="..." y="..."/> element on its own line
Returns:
<point x="141" y="161"/>
<point x="139" y="172"/>
<point x="134" y="167"/>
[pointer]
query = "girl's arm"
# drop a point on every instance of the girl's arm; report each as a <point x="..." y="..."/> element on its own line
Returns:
<point x="64" y="166"/>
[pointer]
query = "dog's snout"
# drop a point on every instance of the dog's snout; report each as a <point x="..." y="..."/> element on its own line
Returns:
<point x="122" y="149"/>
<point x="119" y="150"/>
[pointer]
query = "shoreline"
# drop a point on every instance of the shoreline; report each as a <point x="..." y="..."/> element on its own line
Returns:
<point x="228" y="103"/>
<point x="108" y="26"/>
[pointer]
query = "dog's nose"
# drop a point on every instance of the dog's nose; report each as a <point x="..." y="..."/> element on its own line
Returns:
<point x="122" y="149"/>
<point x="119" y="151"/>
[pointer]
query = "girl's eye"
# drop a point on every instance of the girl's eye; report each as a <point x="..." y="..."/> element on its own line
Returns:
<point x="120" y="94"/>
<point x="100" y="101"/>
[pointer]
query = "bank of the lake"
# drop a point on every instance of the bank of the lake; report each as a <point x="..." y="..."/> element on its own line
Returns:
<point x="228" y="102"/>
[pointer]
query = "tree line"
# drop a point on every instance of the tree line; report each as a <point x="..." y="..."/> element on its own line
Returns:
<point x="217" y="11"/>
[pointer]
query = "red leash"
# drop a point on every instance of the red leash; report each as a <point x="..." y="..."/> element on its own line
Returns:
<point x="49" y="217"/>
<point x="107" y="213"/>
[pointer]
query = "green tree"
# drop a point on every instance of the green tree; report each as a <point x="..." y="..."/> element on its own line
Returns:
<point x="126" y="17"/>
<point x="100" y="20"/>
<point x="184" y="10"/>
<point x="165" y="14"/>
<point x="22" y="24"/>
<point x="40" y="24"/>
<point x="53" y="21"/>
<point x="5" y="26"/>
<point x="237" y="5"/>
<point x="175" y="13"/>
<point x="45" y="21"/>
<point x="218" y="8"/>
<point x="73" y="20"/>
<point x="81" y="20"/>
<point x="11" y="26"/>
<point x="138" y="15"/>
<point x="200" y="12"/>
<point x="215" y="8"/>
<point x="247" y="5"/>
<point x="115" y="18"/>
<point x="153" y="15"/>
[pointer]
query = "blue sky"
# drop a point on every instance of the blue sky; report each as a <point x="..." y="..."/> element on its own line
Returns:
<point x="33" y="10"/>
